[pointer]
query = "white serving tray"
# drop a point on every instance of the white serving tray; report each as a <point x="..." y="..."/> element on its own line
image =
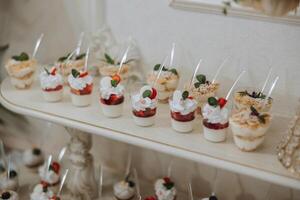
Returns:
<point x="262" y="164"/>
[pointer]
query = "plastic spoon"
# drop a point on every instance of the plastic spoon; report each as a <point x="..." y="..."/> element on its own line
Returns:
<point x="61" y="154"/>
<point x="86" y="59"/>
<point x="159" y="72"/>
<point x="63" y="180"/>
<point x="3" y="154"/>
<point x="271" y="90"/>
<point x="128" y="166"/>
<point x="138" y="190"/>
<point x="169" y="172"/>
<point x="79" y="43"/>
<point x="266" y="81"/>
<point x="100" y="181"/>
<point x="37" y="45"/>
<point x="234" y="84"/>
<point x="8" y="166"/>
<point x="195" y="73"/>
<point x="172" y="54"/>
<point x="49" y="161"/>
<point x="123" y="59"/>
<point x="190" y="191"/>
<point x="220" y="68"/>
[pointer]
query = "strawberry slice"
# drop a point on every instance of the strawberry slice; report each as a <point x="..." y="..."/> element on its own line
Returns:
<point x="222" y="102"/>
<point x="53" y="71"/>
<point x="153" y="94"/>
<point x="116" y="78"/>
<point x="83" y="74"/>
<point x="56" y="167"/>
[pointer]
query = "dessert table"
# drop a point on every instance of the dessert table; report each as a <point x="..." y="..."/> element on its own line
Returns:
<point x="262" y="163"/>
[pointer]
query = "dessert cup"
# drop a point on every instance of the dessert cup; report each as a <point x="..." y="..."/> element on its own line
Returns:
<point x="215" y="120"/>
<point x="249" y="129"/>
<point x="21" y="70"/>
<point x="11" y="182"/>
<point x="9" y="195"/>
<point x="165" y="189"/>
<point x="50" y="177"/>
<point x="112" y="69"/>
<point x="33" y="158"/>
<point x="41" y="191"/>
<point x="111" y="96"/>
<point x="124" y="190"/>
<point x="144" y="105"/>
<point x="81" y="84"/>
<point x="166" y="83"/>
<point x="183" y="109"/>
<point x="246" y="97"/>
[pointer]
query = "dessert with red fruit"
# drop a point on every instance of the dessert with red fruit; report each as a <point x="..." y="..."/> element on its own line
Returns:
<point x="150" y="198"/>
<point x="215" y="119"/>
<point x="52" y="85"/>
<point x="9" y="195"/>
<point x="111" y="96"/>
<point x="81" y="84"/>
<point x="144" y="104"/>
<point x="182" y="108"/>
<point x="165" y="189"/>
<point x="41" y="192"/>
<point x="50" y="176"/>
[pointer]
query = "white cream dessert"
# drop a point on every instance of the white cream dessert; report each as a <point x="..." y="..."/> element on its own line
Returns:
<point x="202" y="89"/>
<point x="245" y="99"/>
<point x="50" y="176"/>
<point x="249" y="128"/>
<point x="81" y="85"/>
<point x="111" y="96"/>
<point x="9" y="195"/>
<point x="215" y="119"/>
<point x="212" y="197"/>
<point x="11" y="182"/>
<point x="21" y="70"/>
<point x="144" y="104"/>
<point x="165" y="189"/>
<point x="65" y="66"/>
<point x="41" y="192"/>
<point x="166" y="83"/>
<point x="182" y="108"/>
<point x="52" y="85"/>
<point x="33" y="157"/>
<point x="124" y="190"/>
<point x="110" y="67"/>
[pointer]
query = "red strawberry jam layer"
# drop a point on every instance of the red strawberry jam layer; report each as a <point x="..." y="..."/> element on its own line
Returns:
<point x="183" y="118"/>
<point x="217" y="126"/>
<point x="85" y="91"/>
<point x="59" y="87"/>
<point x="113" y="100"/>
<point x="144" y="114"/>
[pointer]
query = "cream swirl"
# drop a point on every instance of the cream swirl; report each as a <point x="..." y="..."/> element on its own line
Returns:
<point x="49" y="81"/>
<point x="214" y="114"/>
<point x="12" y="195"/>
<point x="122" y="190"/>
<point x="162" y="192"/>
<point x="106" y="89"/>
<point x="79" y="83"/>
<point x="140" y="104"/>
<point x="39" y="193"/>
<point x="184" y="107"/>
<point x="48" y="176"/>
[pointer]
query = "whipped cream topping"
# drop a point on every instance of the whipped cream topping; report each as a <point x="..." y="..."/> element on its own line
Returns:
<point x="140" y="104"/>
<point x="106" y="89"/>
<point x="31" y="159"/>
<point x="80" y="83"/>
<point x="13" y="195"/>
<point x="39" y="194"/>
<point x="184" y="107"/>
<point x="122" y="190"/>
<point x="49" y="81"/>
<point x="215" y="115"/>
<point x="48" y="176"/>
<point x="162" y="192"/>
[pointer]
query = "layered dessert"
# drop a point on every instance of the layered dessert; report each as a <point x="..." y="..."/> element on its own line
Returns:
<point x="144" y="104"/>
<point x="9" y="195"/>
<point x="33" y="158"/>
<point x="165" y="189"/>
<point x="110" y="67"/>
<point x="167" y="81"/>
<point x="249" y="127"/>
<point x="51" y="176"/>
<point x="52" y="85"/>
<point x="182" y="108"/>
<point x="41" y="192"/>
<point x="65" y="66"/>
<point x="250" y="97"/>
<point x="111" y="96"/>
<point x="81" y="85"/>
<point x="21" y="70"/>
<point x="10" y="182"/>
<point x="55" y="198"/>
<point x="124" y="190"/>
<point x="202" y="89"/>
<point x="215" y="119"/>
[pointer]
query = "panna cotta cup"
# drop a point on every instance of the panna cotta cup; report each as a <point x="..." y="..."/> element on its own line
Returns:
<point x="183" y="109"/>
<point x="144" y="105"/>
<point x="124" y="190"/>
<point x="52" y="85"/>
<point x="81" y="87"/>
<point x="51" y="176"/>
<point x="165" y="189"/>
<point x="10" y="182"/>
<point x="215" y="120"/>
<point x="21" y="70"/>
<point x="112" y="96"/>
<point x="41" y="192"/>
<point x="247" y="97"/>
<point x="249" y="128"/>
<point x="166" y="83"/>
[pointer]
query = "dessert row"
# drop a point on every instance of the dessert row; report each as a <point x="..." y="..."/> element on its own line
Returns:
<point x="249" y="121"/>
<point x="52" y="180"/>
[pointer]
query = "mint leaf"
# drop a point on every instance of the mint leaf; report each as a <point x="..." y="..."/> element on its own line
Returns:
<point x="156" y="67"/>
<point x="212" y="101"/>
<point x="81" y="56"/>
<point x="185" y="95"/>
<point x="146" y="93"/>
<point x="63" y="58"/>
<point x="75" y="73"/>
<point x="174" y="71"/>
<point x="197" y="84"/>
<point x="169" y="185"/>
<point x="47" y="71"/>
<point x="108" y="59"/>
<point x="201" y="78"/>
<point x="114" y="83"/>
<point x="22" y="57"/>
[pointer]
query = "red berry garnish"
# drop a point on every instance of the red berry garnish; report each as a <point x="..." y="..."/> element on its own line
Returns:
<point x="116" y="78"/>
<point x="222" y="102"/>
<point x="55" y="167"/>
<point x="190" y="97"/>
<point x="167" y="179"/>
<point x="53" y="71"/>
<point x="153" y="93"/>
<point x="83" y="74"/>
<point x="151" y="198"/>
